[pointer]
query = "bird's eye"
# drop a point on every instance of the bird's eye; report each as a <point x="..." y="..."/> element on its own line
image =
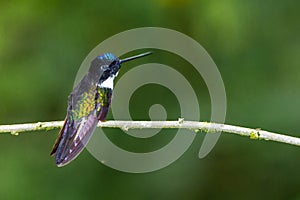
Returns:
<point x="113" y="63"/>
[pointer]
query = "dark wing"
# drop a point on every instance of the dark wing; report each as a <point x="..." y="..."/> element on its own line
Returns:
<point x="72" y="140"/>
<point x="78" y="127"/>
<point x="74" y="136"/>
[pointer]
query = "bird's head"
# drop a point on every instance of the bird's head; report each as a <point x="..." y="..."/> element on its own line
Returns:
<point x="110" y="64"/>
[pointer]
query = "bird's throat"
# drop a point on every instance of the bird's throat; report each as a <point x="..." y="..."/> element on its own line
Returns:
<point x="108" y="83"/>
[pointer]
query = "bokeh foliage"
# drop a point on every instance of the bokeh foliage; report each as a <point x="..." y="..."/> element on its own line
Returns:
<point x="256" y="46"/>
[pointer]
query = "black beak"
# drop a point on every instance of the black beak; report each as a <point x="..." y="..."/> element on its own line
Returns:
<point x="135" y="57"/>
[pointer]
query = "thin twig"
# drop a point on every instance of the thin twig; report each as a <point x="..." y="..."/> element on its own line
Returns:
<point x="206" y="127"/>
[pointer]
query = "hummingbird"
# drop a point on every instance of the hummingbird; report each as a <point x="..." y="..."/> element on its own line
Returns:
<point x="88" y="103"/>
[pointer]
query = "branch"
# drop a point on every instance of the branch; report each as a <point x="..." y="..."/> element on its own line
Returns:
<point x="206" y="127"/>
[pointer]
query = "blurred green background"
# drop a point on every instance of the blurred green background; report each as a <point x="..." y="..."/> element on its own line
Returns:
<point x="256" y="46"/>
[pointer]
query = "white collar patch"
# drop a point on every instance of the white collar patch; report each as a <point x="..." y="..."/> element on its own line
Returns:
<point x="108" y="83"/>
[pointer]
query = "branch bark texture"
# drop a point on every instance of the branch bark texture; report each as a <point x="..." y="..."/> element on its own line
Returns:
<point x="206" y="127"/>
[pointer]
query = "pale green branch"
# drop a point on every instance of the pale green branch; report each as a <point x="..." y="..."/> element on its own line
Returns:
<point x="195" y="126"/>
